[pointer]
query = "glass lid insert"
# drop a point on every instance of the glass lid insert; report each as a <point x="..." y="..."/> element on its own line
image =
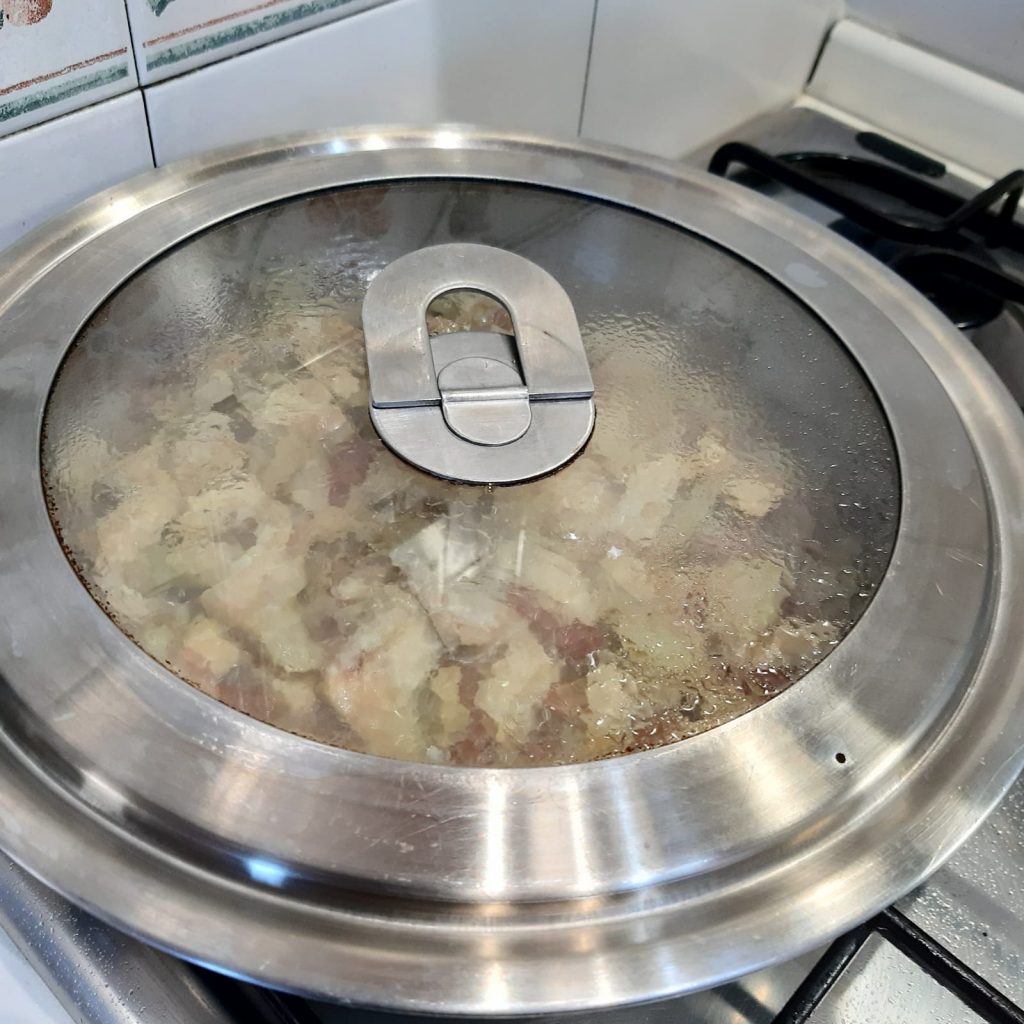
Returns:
<point x="215" y="479"/>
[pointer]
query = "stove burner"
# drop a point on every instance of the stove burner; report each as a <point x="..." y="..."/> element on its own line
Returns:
<point x="950" y="285"/>
<point x="941" y="244"/>
<point x="970" y="291"/>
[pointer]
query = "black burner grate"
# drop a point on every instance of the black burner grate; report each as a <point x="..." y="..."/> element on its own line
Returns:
<point x="949" y="248"/>
<point x="933" y="958"/>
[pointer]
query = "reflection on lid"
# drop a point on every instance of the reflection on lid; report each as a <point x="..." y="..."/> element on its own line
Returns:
<point x="214" y="476"/>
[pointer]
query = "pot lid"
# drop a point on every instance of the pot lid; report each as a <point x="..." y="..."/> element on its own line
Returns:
<point x="217" y="474"/>
<point x="518" y="886"/>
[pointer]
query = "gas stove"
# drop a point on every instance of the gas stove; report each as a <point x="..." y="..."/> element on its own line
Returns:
<point x="961" y="245"/>
<point x="953" y="950"/>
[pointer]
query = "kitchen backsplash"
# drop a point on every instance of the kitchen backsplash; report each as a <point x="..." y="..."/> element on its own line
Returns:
<point x="57" y="56"/>
<point x="94" y="91"/>
<point x="172" y="36"/>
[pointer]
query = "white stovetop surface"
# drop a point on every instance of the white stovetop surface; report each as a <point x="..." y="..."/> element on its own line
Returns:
<point x="24" y="999"/>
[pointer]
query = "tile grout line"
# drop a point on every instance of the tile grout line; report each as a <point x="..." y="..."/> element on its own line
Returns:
<point x="821" y="51"/>
<point x="139" y="86"/>
<point x="586" y="69"/>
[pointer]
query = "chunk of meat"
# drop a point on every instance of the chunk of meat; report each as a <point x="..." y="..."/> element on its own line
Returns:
<point x="613" y="700"/>
<point x="752" y="497"/>
<point x="206" y="652"/>
<point x="374" y="681"/>
<point x="745" y="597"/>
<point x="647" y="502"/>
<point x="513" y="690"/>
<point x="452" y="715"/>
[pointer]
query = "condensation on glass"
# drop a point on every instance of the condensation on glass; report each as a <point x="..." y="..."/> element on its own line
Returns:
<point x="216" y="481"/>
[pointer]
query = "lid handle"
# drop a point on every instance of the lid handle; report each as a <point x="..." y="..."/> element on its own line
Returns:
<point x="477" y="418"/>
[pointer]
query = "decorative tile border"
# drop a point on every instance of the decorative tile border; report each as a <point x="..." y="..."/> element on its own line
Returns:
<point x="173" y="40"/>
<point x="58" y="56"/>
<point x="236" y="33"/>
<point x="36" y="99"/>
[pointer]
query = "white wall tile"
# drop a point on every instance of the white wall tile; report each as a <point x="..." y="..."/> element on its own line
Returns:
<point x="667" y="76"/>
<point x="57" y="56"/>
<point x="46" y="169"/>
<point x="986" y="36"/>
<point x="490" y="62"/>
<point x="172" y="36"/>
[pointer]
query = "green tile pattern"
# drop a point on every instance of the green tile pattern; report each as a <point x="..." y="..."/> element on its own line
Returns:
<point x="235" y="33"/>
<point x="73" y="87"/>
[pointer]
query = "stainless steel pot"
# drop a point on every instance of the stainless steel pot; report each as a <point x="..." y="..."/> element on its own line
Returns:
<point x="500" y="891"/>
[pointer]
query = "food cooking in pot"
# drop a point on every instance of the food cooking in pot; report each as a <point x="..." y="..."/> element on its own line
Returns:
<point x="254" y="535"/>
